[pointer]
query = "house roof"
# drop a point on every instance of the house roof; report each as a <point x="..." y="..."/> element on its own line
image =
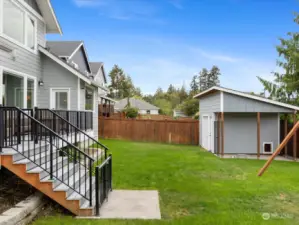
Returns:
<point x="137" y="103"/>
<point x="95" y="67"/>
<point x="65" y="65"/>
<point x="63" y="48"/>
<point x="245" y="95"/>
<point x="49" y="16"/>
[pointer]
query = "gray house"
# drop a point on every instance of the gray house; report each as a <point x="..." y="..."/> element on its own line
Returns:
<point x="48" y="106"/>
<point x="233" y="122"/>
<point x="143" y="106"/>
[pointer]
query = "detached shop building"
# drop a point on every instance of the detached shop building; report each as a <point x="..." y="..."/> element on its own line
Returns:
<point x="233" y="122"/>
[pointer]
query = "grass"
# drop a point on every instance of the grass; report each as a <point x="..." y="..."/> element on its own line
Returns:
<point x="196" y="187"/>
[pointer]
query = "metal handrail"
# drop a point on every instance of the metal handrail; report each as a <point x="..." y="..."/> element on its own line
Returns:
<point x="37" y="129"/>
<point x="56" y="114"/>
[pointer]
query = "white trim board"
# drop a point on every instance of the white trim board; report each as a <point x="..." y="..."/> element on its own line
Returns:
<point x="59" y="89"/>
<point x="238" y="93"/>
<point x="63" y="64"/>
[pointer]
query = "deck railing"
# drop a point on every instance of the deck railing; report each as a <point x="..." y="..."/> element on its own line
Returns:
<point x="47" y="149"/>
<point x="103" y="175"/>
<point x="62" y="124"/>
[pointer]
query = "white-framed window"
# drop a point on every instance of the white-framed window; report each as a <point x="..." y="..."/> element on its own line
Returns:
<point x="148" y="111"/>
<point x="17" y="25"/>
<point x="60" y="98"/>
<point x="89" y="99"/>
<point x="267" y="147"/>
<point x="17" y="88"/>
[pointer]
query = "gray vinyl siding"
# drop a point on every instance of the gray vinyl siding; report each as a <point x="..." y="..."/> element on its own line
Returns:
<point x="55" y="76"/>
<point x="234" y="103"/>
<point x="210" y="103"/>
<point x="240" y="132"/>
<point x="79" y="59"/>
<point x="24" y="61"/>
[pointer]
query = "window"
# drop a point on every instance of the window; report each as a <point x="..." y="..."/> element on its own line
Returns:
<point x="268" y="147"/>
<point x="17" y="25"/>
<point x="89" y="99"/>
<point x="30" y="93"/>
<point x="60" y="99"/>
<point x="148" y="111"/>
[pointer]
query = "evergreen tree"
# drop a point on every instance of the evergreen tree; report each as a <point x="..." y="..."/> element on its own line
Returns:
<point x="203" y="79"/>
<point x="285" y="87"/>
<point x="194" y="86"/>
<point x="213" y="78"/>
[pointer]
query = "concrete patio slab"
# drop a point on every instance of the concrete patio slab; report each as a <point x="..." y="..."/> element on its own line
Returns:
<point x="130" y="204"/>
<point x="262" y="157"/>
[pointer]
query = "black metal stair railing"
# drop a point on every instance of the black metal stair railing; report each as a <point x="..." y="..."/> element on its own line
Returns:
<point x="47" y="149"/>
<point x="69" y="126"/>
<point x="103" y="186"/>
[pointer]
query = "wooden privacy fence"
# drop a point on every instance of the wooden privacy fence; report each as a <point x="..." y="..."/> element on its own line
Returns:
<point x="163" y="131"/>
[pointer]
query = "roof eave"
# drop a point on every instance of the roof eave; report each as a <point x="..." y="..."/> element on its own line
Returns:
<point x="269" y="101"/>
<point x="49" y="16"/>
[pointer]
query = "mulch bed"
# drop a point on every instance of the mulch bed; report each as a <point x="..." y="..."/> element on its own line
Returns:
<point x="12" y="190"/>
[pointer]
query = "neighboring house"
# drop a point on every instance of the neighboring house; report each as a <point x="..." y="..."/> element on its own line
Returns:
<point x="233" y="122"/>
<point x="143" y="106"/>
<point x="178" y="113"/>
<point x="99" y="76"/>
<point x="53" y="82"/>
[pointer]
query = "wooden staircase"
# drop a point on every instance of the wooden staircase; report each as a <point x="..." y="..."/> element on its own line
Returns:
<point x="52" y="164"/>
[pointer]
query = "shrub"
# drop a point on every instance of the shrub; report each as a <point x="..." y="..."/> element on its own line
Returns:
<point x="131" y="112"/>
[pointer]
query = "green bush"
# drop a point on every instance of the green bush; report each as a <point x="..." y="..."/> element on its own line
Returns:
<point x="131" y="112"/>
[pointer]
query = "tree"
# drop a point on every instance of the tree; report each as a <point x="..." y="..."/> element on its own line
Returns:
<point x="183" y="95"/>
<point x="194" y="85"/>
<point x="121" y="84"/>
<point x="164" y="105"/>
<point x="208" y="79"/>
<point x="213" y="78"/>
<point x="190" y="107"/>
<point x="171" y="89"/>
<point x="203" y="79"/>
<point x="285" y="87"/>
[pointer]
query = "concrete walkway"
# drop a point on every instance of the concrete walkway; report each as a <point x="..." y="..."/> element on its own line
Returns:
<point x="129" y="204"/>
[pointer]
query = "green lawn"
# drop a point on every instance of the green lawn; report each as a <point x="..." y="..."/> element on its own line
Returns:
<point x="196" y="187"/>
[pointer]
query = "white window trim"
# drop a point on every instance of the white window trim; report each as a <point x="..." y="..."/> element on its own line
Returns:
<point x="52" y="101"/>
<point x="26" y="14"/>
<point x="271" y="143"/>
<point x="94" y="101"/>
<point x="25" y="77"/>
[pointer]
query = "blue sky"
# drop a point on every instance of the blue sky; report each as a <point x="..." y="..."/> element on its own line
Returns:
<point x="158" y="42"/>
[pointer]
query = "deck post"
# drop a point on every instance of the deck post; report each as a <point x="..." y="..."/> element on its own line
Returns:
<point x="286" y="133"/>
<point x="295" y="137"/>
<point x="222" y="134"/>
<point x="218" y="133"/>
<point x="258" y="119"/>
